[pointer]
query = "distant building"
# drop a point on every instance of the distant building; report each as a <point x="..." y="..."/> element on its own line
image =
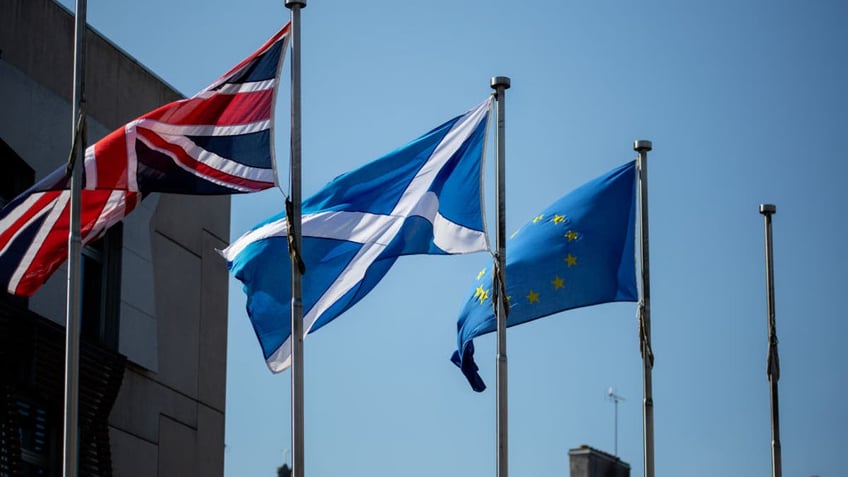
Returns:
<point x="586" y="461"/>
<point x="154" y="321"/>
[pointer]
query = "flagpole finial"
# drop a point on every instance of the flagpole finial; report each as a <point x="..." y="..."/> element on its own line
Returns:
<point x="768" y="209"/>
<point x="500" y="82"/>
<point x="295" y="3"/>
<point x="642" y="145"/>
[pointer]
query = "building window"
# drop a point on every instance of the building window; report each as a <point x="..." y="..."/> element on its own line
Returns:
<point x="101" y="288"/>
<point x="29" y="436"/>
<point x="37" y="438"/>
<point x="16" y="178"/>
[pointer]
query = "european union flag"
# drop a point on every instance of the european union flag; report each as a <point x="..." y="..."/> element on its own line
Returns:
<point x="423" y="198"/>
<point x="577" y="252"/>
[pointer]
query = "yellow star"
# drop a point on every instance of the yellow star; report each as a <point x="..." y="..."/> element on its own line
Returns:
<point x="538" y="218"/>
<point x="571" y="260"/>
<point x="558" y="218"/>
<point x="478" y="291"/>
<point x="484" y="295"/>
<point x="570" y="235"/>
<point x="514" y="234"/>
<point x="482" y="272"/>
<point x="558" y="282"/>
<point x="532" y="297"/>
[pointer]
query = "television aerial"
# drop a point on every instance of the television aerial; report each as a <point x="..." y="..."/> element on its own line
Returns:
<point x="615" y="398"/>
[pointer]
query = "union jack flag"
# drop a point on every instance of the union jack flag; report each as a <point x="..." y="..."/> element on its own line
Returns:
<point x="216" y="142"/>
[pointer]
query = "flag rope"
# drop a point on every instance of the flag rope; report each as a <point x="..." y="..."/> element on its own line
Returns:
<point x="294" y="251"/>
<point x="79" y="134"/>
<point x="644" y="343"/>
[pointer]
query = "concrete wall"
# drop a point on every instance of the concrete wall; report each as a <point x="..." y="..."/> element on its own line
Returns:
<point x="169" y="415"/>
<point x="586" y="461"/>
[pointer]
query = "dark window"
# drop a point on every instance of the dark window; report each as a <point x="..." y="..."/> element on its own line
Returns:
<point x="93" y="284"/>
<point x="37" y="438"/>
<point x="16" y="177"/>
<point x="101" y="288"/>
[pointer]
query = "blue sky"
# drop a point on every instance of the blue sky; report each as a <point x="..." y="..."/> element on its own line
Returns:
<point x="745" y="103"/>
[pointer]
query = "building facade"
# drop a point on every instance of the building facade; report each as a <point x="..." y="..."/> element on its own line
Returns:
<point x="154" y="320"/>
<point x="586" y="461"/>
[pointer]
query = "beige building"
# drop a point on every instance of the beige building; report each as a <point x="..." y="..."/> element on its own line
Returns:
<point x="153" y="357"/>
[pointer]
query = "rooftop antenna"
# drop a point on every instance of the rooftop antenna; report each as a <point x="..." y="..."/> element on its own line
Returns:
<point x="615" y="398"/>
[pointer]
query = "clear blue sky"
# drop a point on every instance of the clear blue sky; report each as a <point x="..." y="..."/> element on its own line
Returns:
<point x="745" y="103"/>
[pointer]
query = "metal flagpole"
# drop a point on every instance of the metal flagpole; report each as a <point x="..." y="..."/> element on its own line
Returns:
<point x="642" y="147"/>
<point x="773" y="362"/>
<point x="295" y="240"/>
<point x="70" y="448"/>
<point x="500" y="84"/>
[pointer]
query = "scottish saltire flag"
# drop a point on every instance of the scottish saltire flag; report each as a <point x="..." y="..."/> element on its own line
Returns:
<point x="577" y="252"/>
<point x="216" y="142"/>
<point x="423" y="198"/>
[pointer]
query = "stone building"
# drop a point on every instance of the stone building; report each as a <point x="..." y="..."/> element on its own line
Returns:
<point x="586" y="461"/>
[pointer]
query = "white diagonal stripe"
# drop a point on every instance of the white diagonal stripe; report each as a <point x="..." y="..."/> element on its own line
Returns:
<point x="455" y="239"/>
<point x="412" y="197"/>
<point x="441" y="154"/>
<point x="364" y="227"/>
<point x="212" y="160"/>
<point x="203" y="129"/>
<point x="90" y="166"/>
<point x="55" y="212"/>
<point x="281" y="359"/>
<point x="233" y="89"/>
<point x="132" y="157"/>
<point x="18" y="212"/>
<point x="112" y="212"/>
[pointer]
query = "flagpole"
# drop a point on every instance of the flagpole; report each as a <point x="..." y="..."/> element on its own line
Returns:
<point x="295" y="233"/>
<point x="642" y="147"/>
<point x="500" y="84"/>
<point x="70" y="447"/>
<point x="773" y="362"/>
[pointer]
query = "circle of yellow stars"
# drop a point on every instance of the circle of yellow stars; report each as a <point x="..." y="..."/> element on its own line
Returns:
<point x="481" y="293"/>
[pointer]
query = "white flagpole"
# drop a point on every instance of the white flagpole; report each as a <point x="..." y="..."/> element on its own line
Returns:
<point x="70" y="446"/>
<point x="773" y="362"/>
<point x="642" y="147"/>
<point x="295" y="234"/>
<point x="500" y="84"/>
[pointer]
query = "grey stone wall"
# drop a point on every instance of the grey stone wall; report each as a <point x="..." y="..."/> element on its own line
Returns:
<point x="586" y="461"/>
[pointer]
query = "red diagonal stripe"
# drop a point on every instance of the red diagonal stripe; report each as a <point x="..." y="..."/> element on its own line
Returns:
<point x="218" y="110"/>
<point x="42" y="203"/>
<point x="110" y="156"/>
